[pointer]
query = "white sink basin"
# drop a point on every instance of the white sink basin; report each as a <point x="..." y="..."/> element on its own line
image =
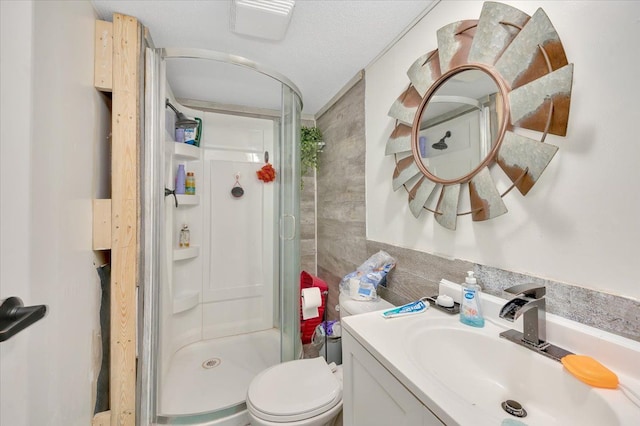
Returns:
<point x="485" y="370"/>
<point x="463" y="374"/>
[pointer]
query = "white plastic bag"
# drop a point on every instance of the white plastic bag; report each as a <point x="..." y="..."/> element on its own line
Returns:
<point x="363" y="282"/>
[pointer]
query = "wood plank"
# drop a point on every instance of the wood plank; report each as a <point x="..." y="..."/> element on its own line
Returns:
<point x="124" y="217"/>
<point x="102" y="419"/>
<point x="102" y="224"/>
<point x="103" y="59"/>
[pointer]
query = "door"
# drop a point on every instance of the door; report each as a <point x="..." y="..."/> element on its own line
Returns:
<point x="460" y="146"/>
<point x="289" y="225"/>
<point x="50" y="170"/>
<point x="14" y="220"/>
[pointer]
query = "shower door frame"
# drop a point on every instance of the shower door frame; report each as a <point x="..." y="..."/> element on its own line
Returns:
<point x="153" y="184"/>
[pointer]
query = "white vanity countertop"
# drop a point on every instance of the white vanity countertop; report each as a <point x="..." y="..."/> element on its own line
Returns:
<point x="393" y="343"/>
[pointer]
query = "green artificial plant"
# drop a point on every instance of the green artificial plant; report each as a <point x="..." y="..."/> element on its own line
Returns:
<point x="309" y="139"/>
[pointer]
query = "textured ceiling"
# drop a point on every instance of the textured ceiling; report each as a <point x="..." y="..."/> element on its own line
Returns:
<point x="327" y="43"/>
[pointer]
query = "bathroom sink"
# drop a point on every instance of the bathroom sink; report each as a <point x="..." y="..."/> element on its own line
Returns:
<point x="463" y="374"/>
<point x="484" y="370"/>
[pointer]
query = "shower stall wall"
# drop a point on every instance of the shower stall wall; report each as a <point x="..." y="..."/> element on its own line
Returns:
<point x="226" y="307"/>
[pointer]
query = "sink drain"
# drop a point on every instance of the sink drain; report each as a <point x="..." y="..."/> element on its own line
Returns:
<point x="211" y="363"/>
<point x="514" y="408"/>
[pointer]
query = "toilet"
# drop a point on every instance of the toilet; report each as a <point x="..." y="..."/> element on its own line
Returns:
<point x="303" y="392"/>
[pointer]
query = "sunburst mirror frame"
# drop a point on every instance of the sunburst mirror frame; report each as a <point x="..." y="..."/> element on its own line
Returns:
<point x="524" y="55"/>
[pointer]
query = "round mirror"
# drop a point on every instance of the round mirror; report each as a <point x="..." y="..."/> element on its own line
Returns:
<point x="465" y="101"/>
<point x="459" y="124"/>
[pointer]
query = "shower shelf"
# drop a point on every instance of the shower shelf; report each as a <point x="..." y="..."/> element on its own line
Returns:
<point x="188" y="200"/>
<point x="183" y="151"/>
<point x="185" y="301"/>
<point x="186" y="253"/>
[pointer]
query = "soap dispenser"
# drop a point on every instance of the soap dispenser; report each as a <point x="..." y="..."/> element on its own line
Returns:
<point x="470" y="304"/>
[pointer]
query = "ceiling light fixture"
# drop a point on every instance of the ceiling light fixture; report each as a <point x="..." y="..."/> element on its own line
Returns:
<point x="267" y="19"/>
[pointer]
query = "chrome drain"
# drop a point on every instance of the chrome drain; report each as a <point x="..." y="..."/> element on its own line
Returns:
<point x="211" y="363"/>
<point x="514" y="408"/>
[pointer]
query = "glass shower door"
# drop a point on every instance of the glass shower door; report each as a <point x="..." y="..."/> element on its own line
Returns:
<point x="291" y="345"/>
<point x="283" y="247"/>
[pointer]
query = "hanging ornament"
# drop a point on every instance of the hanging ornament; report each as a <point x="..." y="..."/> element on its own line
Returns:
<point x="267" y="173"/>
<point x="237" y="190"/>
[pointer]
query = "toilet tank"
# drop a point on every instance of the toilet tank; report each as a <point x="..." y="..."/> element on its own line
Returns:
<point x="349" y="306"/>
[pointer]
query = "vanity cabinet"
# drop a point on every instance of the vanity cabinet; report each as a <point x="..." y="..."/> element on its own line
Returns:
<point x="372" y="396"/>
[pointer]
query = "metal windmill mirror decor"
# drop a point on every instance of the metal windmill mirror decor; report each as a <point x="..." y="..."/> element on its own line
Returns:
<point x="489" y="77"/>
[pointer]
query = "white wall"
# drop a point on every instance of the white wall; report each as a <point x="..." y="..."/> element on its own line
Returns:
<point x="15" y="108"/>
<point x="238" y="278"/>
<point x="579" y="224"/>
<point x="51" y="170"/>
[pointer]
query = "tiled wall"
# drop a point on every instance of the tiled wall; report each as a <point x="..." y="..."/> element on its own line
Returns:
<point x="417" y="274"/>
<point x="343" y="246"/>
<point x="615" y="314"/>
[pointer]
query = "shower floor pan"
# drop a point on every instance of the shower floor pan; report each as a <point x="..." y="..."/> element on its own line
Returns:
<point x="211" y="375"/>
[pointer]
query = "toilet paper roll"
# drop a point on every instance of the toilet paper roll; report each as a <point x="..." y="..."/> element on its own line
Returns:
<point x="311" y="301"/>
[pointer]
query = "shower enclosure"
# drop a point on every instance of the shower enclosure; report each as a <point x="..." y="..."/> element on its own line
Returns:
<point x="225" y="307"/>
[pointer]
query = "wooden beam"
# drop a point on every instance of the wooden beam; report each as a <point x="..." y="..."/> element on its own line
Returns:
<point x="102" y="224"/>
<point x="103" y="59"/>
<point x="124" y="216"/>
<point x="102" y="419"/>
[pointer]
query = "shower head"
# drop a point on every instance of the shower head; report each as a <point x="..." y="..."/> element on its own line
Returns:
<point x="182" y="121"/>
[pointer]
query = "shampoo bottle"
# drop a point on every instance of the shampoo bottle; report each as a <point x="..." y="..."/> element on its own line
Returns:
<point x="190" y="184"/>
<point x="470" y="310"/>
<point x="180" y="180"/>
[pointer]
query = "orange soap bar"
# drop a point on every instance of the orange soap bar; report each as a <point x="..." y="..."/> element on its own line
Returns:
<point x="590" y="371"/>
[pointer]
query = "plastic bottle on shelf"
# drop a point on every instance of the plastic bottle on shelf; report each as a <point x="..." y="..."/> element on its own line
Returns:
<point x="185" y="236"/>
<point x="190" y="184"/>
<point x="422" y="144"/>
<point x="180" y="180"/>
<point x="190" y="136"/>
<point x="179" y="135"/>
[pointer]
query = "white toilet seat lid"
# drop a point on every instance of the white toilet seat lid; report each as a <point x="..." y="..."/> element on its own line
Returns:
<point x="294" y="390"/>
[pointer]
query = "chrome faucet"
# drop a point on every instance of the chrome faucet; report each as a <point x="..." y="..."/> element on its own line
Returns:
<point x="530" y="303"/>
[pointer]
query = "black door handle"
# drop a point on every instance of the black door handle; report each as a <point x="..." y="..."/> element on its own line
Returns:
<point x="15" y="317"/>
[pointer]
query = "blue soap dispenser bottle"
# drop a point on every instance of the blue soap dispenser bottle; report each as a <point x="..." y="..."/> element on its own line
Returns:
<point x="470" y="305"/>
